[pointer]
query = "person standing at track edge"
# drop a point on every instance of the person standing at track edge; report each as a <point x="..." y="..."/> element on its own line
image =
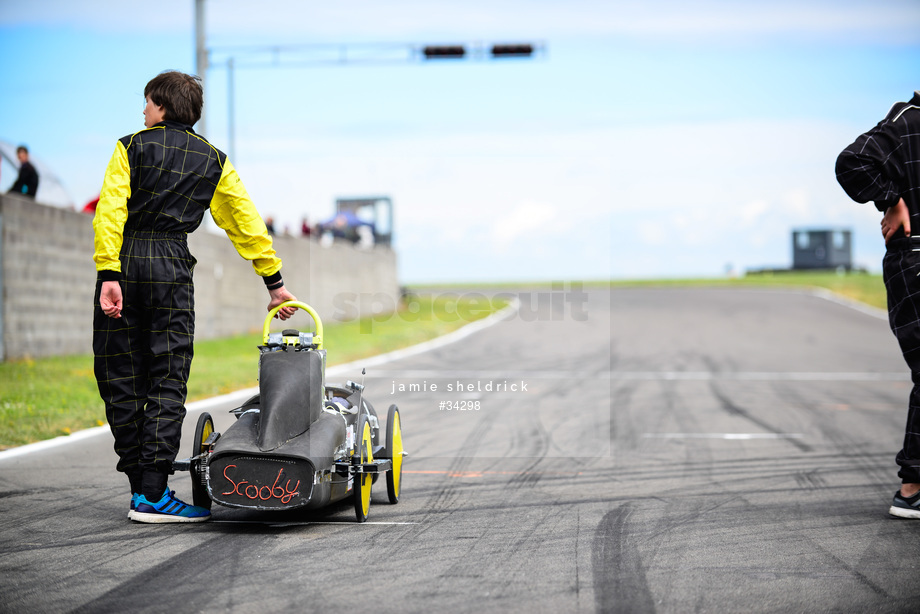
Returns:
<point x="883" y="165"/>
<point x="27" y="180"/>
<point x="157" y="186"/>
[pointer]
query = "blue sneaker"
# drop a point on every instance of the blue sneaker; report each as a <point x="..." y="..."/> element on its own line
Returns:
<point x="134" y="497"/>
<point x="167" y="509"/>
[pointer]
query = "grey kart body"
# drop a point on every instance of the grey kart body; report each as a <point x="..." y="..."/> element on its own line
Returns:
<point x="293" y="444"/>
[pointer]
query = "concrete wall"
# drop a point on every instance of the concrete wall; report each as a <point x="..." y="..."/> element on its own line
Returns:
<point x="48" y="279"/>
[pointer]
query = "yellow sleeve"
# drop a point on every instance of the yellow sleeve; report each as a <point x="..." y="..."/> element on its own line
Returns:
<point x="235" y="213"/>
<point x="112" y="211"/>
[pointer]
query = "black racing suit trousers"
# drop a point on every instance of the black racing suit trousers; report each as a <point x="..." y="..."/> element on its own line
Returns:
<point x="142" y="359"/>
<point x="901" y="268"/>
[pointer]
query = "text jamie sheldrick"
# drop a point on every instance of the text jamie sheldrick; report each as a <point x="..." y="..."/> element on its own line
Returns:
<point x="459" y="386"/>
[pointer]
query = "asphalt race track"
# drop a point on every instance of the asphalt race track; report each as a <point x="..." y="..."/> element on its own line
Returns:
<point x="633" y="450"/>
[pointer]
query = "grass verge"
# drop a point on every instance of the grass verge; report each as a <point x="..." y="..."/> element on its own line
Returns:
<point x="863" y="287"/>
<point x="48" y="397"/>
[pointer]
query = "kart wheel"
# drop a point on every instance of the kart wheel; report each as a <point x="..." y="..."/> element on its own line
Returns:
<point x="199" y="489"/>
<point x="363" y="481"/>
<point x="395" y="450"/>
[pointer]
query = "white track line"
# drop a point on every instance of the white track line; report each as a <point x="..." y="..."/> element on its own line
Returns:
<point x="723" y="436"/>
<point x="875" y="312"/>
<point x="282" y="523"/>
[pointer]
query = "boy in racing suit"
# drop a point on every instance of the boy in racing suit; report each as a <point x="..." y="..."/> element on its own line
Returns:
<point x="158" y="184"/>
<point x="883" y="165"/>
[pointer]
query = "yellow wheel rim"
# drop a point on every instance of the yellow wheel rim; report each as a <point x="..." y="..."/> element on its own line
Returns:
<point x="365" y="481"/>
<point x="206" y="432"/>
<point x="397" y="453"/>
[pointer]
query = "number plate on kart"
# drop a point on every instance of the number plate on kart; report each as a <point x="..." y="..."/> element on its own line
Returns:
<point x="260" y="481"/>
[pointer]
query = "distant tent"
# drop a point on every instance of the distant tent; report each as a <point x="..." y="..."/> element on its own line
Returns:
<point x="344" y="225"/>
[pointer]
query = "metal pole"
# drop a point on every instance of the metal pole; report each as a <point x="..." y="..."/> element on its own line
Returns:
<point x="201" y="61"/>
<point x="231" y="127"/>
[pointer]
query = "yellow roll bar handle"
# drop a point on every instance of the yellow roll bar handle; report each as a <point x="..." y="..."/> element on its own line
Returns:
<point x="317" y="336"/>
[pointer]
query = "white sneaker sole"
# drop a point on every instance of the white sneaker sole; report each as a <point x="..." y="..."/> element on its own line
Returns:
<point x="163" y="518"/>
<point x="901" y="512"/>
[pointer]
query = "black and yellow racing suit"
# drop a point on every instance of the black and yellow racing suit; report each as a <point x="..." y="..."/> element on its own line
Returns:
<point x="158" y="185"/>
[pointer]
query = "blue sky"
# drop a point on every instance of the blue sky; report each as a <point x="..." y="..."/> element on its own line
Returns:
<point x="652" y="139"/>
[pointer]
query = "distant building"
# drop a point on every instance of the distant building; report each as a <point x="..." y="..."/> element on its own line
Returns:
<point x="822" y="249"/>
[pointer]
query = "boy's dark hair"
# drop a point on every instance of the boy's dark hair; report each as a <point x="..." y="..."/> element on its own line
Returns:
<point x="22" y="148"/>
<point x="179" y="94"/>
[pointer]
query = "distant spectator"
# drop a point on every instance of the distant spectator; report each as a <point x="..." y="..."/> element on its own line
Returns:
<point x="270" y="225"/>
<point x="305" y="229"/>
<point x="27" y="181"/>
<point x="365" y="237"/>
<point x="90" y="207"/>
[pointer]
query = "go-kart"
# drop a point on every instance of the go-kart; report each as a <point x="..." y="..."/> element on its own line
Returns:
<point x="299" y="443"/>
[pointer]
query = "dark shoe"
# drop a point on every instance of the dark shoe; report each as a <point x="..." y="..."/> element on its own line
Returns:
<point x="905" y="507"/>
<point x="167" y="509"/>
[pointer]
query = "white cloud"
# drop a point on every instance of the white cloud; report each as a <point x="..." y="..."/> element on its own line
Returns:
<point x="796" y="203"/>
<point x="752" y="213"/>
<point x="526" y="219"/>
<point x="721" y="191"/>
